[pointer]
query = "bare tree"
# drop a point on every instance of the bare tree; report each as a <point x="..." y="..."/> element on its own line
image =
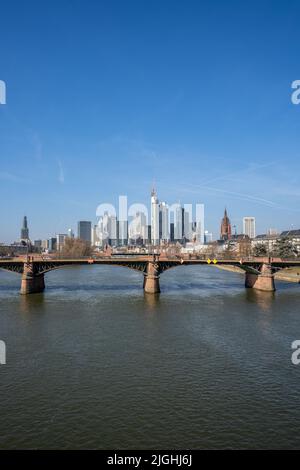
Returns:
<point x="75" y="248"/>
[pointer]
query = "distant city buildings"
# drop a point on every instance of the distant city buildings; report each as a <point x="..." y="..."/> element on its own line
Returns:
<point x="164" y="224"/>
<point x="208" y="237"/>
<point x="168" y="224"/>
<point x="138" y="229"/>
<point x="25" y="230"/>
<point x="154" y="218"/>
<point x="249" y="227"/>
<point x="60" y="241"/>
<point x="175" y="223"/>
<point x="37" y="245"/>
<point x="70" y="233"/>
<point x="171" y="229"/>
<point x="272" y="231"/>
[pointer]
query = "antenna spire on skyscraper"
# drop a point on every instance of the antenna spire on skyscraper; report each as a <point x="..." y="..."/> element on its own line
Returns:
<point x="153" y="191"/>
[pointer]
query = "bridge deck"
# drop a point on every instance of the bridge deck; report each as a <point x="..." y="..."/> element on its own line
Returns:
<point x="276" y="262"/>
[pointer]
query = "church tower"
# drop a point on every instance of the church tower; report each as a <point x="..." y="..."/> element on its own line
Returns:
<point x="25" y="230"/>
<point x="225" y="227"/>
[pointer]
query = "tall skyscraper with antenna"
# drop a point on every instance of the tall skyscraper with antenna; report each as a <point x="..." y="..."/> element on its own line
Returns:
<point x="25" y="229"/>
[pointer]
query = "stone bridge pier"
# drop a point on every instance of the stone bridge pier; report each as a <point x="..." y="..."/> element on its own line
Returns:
<point x="263" y="281"/>
<point x="31" y="282"/>
<point x="151" y="278"/>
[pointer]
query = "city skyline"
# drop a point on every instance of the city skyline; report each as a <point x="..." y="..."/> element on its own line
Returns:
<point x="202" y="129"/>
<point x="140" y="225"/>
<point x="237" y="227"/>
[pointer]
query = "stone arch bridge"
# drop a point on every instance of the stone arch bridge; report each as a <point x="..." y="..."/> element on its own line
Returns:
<point x="259" y="272"/>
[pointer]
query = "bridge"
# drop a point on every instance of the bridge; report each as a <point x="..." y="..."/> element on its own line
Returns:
<point x="259" y="272"/>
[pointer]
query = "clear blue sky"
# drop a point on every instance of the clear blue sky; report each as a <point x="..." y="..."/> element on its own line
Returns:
<point x="105" y="97"/>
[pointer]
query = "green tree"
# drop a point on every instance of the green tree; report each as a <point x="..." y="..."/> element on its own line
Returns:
<point x="284" y="248"/>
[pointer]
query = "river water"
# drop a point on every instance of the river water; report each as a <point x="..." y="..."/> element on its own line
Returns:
<point x="93" y="362"/>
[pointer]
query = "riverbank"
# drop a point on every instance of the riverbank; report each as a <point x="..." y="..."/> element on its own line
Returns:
<point x="288" y="274"/>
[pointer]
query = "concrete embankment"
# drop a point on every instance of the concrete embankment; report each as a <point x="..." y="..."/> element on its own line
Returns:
<point x="287" y="274"/>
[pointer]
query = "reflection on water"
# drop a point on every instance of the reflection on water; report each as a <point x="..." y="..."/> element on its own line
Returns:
<point x="151" y="301"/>
<point x="95" y="362"/>
<point x="262" y="299"/>
<point x="31" y="303"/>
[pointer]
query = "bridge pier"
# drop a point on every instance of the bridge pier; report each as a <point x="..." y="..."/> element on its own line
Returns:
<point x="151" y="278"/>
<point x="31" y="283"/>
<point x="263" y="281"/>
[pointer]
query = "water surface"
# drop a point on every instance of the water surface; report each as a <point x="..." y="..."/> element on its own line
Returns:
<point x="93" y="362"/>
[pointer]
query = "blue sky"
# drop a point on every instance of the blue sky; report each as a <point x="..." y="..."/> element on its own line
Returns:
<point x="103" y="98"/>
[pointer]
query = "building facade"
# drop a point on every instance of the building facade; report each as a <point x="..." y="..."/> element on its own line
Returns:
<point x="154" y="218"/>
<point x="25" y="230"/>
<point x="225" y="232"/>
<point x="249" y="227"/>
<point x="84" y="230"/>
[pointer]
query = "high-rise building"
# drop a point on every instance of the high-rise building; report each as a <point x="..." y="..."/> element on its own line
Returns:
<point x="25" y="230"/>
<point x="272" y="232"/>
<point x="172" y="232"/>
<point x="225" y="233"/>
<point x="52" y="244"/>
<point x="45" y="244"/>
<point x="154" y="218"/>
<point x="60" y="240"/>
<point x="138" y="229"/>
<point x="38" y="244"/>
<point x="106" y="231"/>
<point x="70" y="233"/>
<point x="208" y="237"/>
<point x="112" y="230"/>
<point x="249" y="226"/>
<point x="85" y="230"/>
<point x="188" y="226"/>
<point x="122" y="232"/>
<point x="94" y="236"/>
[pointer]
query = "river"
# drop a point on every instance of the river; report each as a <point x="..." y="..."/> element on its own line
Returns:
<point x="93" y="362"/>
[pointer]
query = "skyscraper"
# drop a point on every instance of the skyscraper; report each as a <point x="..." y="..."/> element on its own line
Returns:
<point x="187" y="226"/>
<point x="154" y="218"/>
<point x="25" y="230"/>
<point x="60" y="240"/>
<point x="178" y="223"/>
<point x="164" y="230"/>
<point x="85" y="230"/>
<point x="138" y="231"/>
<point x="249" y="226"/>
<point x="225" y="227"/>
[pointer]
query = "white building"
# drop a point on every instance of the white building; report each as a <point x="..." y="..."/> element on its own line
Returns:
<point x="187" y="224"/>
<point x="60" y="240"/>
<point x="178" y="223"/>
<point x="70" y="233"/>
<point x="122" y="232"/>
<point x="94" y="236"/>
<point x="208" y="237"/>
<point x="106" y="230"/>
<point x="249" y="227"/>
<point x="164" y="223"/>
<point x="138" y="229"/>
